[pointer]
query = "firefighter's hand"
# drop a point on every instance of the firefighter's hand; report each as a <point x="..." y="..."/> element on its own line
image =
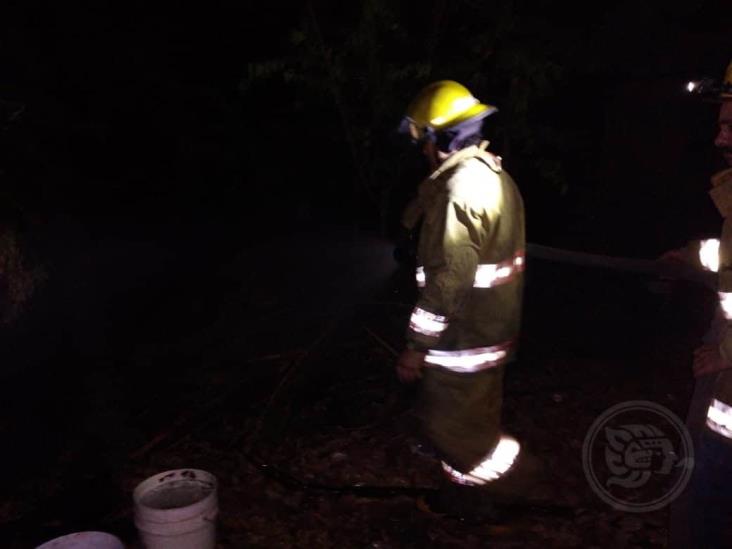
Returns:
<point x="409" y="365"/>
<point x="671" y="265"/>
<point x="708" y="360"/>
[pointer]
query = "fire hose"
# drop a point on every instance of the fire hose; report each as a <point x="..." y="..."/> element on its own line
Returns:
<point x="656" y="267"/>
<point x="405" y="252"/>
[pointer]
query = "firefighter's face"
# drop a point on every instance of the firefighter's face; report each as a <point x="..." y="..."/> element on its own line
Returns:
<point x="723" y="140"/>
<point x="434" y="156"/>
<point x="430" y="153"/>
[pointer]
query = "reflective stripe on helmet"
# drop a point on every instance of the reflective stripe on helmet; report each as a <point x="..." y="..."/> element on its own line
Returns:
<point x="457" y="107"/>
<point x="487" y="275"/>
<point x="427" y="323"/>
<point x="494" y="466"/>
<point x="719" y="418"/>
<point x="470" y="360"/>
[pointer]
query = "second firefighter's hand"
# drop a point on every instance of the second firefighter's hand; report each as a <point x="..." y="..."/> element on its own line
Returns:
<point x="671" y="265"/>
<point x="708" y="360"/>
<point x="409" y="365"/>
<point x="678" y="256"/>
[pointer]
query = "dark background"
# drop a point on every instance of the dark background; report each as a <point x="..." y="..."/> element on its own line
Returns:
<point x="171" y="160"/>
<point x="142" y="118"/>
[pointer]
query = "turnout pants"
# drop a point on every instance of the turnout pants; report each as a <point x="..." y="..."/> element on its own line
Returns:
<point x="461" y="413"/>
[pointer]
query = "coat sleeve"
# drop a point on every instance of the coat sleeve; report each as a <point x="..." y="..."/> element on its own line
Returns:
<point x="725" y="289"/>
<point x="453" y="233"/>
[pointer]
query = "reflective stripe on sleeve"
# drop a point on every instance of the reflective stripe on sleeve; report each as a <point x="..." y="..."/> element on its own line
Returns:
<point x="469" y="360"/>
<point x="709" y="254"/>
<point x="426" y="323"/>
<point x="420" y="276"/>
<point x="725" y="302"/>
<point x="495" y="465"/>
<point x="487" y="275"/>
<point x="719" y="418"/>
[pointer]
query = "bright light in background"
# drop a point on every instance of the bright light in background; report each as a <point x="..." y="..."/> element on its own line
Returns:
<point x="691" y="86"/>
<point x="709" y="254"/>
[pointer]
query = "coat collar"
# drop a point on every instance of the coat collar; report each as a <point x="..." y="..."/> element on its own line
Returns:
<point x="474" y="151"/>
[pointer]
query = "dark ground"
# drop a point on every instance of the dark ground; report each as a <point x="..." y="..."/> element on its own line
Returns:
<point x="271" y="367"/>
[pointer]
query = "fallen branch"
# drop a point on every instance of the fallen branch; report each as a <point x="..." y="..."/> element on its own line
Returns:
<point x="288" y="375"/>
<point x="287" y="355"/>
<point x="381" y="342"/>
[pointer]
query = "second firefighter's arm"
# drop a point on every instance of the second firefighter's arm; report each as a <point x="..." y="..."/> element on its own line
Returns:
<point x="725" y="292"/>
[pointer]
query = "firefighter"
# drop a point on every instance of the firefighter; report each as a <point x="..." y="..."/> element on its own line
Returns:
<point x="707" y="505"/>
<point x="712" y="489"/>
<point x="465" y="325"/>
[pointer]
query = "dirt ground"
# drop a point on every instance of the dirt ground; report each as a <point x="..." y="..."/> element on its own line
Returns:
<point x="273" y="371"/>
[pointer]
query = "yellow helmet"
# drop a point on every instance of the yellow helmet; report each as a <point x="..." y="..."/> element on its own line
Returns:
<point x="442" y="105"/>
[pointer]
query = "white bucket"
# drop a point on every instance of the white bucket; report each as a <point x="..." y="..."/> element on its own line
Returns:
<point x="84" y="540"/>
<point x="177" y="510"/>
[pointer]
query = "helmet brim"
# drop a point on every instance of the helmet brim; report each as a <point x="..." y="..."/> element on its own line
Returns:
<point x="409" y="127"/>
<point x="476" y="112"/>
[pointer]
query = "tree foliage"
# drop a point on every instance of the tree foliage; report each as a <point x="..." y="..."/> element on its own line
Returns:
<point x="371" y="57"/>
<point x="18" y="279"/>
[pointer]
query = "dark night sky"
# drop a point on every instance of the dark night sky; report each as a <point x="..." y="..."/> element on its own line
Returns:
<point x="135" y="113"/>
